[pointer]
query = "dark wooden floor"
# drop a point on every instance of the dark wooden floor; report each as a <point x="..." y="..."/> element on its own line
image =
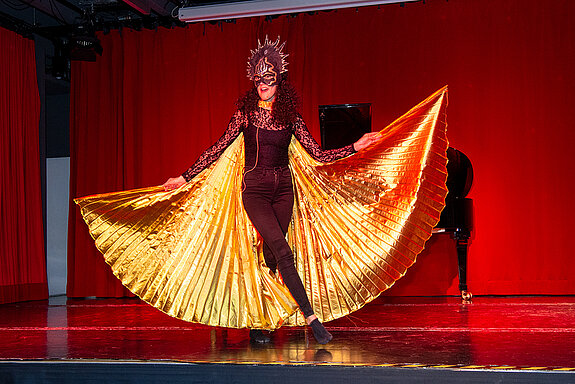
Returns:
<point x="528" y="334"/>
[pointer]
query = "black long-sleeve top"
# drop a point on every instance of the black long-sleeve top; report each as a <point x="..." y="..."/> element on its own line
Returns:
<point x="272" y="138"/>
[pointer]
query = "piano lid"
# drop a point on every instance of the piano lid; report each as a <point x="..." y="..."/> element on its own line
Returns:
<point x="459" y="174"/>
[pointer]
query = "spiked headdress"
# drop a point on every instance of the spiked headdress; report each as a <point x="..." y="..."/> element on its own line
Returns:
<point x="267" y="57"/>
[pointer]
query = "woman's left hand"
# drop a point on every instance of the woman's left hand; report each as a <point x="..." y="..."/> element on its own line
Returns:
<point x="366" y="140"/>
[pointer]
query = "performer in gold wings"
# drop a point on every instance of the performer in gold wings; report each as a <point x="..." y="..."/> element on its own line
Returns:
<point x="268" y="118"/>
<point x="190" y="248"/>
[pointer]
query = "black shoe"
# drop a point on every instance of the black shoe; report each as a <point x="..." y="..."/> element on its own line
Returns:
<point x="323" y="355"/>
<point x="321" y="334"/>
<point x="258" y="336"/>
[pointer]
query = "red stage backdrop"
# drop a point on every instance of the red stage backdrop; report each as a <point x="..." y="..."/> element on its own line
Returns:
<point x="22" y="258"/>
<point x="155" y="99"/>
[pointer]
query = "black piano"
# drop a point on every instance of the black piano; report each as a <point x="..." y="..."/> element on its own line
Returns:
<point x="343" y="124"/>
<point x="457" y="217"/>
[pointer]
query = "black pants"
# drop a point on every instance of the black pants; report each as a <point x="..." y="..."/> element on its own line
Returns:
<point x="268" y="200"/>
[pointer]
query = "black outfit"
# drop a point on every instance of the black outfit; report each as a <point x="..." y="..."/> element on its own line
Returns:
<point x="268" y="193"/>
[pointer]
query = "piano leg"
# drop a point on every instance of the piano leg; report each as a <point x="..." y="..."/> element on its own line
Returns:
<point x="462" y="242"/>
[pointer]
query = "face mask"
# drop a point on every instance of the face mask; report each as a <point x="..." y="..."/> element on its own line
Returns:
<point x="267" y="63"/>
<point x="266" y="73"/>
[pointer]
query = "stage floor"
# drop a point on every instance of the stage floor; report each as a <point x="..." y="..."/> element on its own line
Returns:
<point x="492" y="333"/>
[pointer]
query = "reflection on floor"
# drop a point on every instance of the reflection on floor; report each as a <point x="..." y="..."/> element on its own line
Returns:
<point x="527" y="333"/>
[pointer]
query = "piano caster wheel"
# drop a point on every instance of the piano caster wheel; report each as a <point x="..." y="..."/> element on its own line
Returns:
<point x="466" y="297"/>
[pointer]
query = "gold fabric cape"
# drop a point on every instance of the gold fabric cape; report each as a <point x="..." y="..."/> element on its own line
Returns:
<point x="358" y="224"/>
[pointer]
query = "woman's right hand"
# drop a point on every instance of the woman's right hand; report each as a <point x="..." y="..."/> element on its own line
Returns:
<point x="173" y="183"/>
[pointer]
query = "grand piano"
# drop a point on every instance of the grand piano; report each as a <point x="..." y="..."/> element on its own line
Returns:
<point x="343" y="124"/>
<point x="457" y="217"/>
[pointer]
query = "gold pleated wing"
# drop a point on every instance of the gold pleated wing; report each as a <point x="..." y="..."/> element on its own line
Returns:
<point x="358" y="224"/>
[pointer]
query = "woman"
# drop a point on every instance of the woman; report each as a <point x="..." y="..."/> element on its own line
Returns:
<point x="268" y="118"/>
<point x="358" y="222"/>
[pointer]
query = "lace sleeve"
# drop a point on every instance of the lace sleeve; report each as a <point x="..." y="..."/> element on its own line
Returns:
<point x="312" y="147"/>
<point x="207" y="158"/>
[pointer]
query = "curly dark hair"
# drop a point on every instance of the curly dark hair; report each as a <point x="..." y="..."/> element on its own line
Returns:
<point x="286" y="104"/>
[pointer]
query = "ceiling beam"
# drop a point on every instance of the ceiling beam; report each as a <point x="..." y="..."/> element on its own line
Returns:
<point x="146" y="6"/>
<point x="65" y="12"/>
<point x="269" y="7"/>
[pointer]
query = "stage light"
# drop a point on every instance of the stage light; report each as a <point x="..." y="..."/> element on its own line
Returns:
<point x="269" y="7"/>
<point x="84" y="48"/>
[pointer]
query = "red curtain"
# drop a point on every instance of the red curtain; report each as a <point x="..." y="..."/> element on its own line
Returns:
<point x="156" y="99"/>
<point x="22" y="258"/>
